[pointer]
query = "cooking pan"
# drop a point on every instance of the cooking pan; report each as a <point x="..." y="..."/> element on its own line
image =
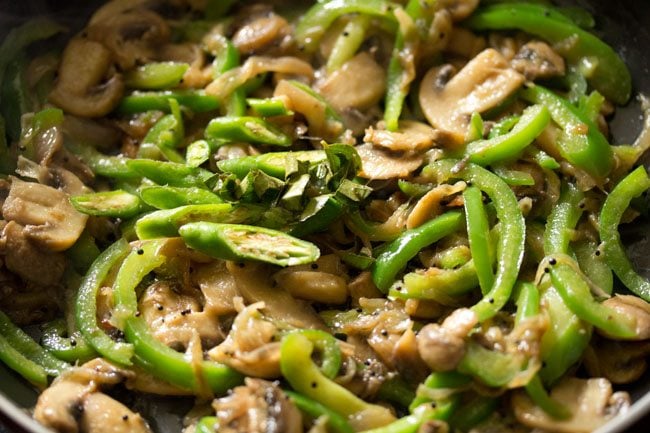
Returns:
<point x="624" y="24"/>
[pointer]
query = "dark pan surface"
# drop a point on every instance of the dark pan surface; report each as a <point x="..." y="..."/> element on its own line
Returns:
<point x="625" y="24"/>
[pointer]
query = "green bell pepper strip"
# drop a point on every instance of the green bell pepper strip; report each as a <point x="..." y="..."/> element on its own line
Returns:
<point x="455" y="257"/>
<point x="269" y="107"/>
<point x="247" y="129"/>
<point x="562" y="220"/>
<point x="86" y="306"/>
<point x="593" y="264"/>
<point x="24" y="345"/>
<point x="582" y="143"/>
<point x="412" y="189"/>
<point x="543" y="159"/>
<point x="633" y="185"/>
<point x="18" y="362"/>
<point x="166" y="223"/>
<point x="274" y="164"/>
<point x="511" y="244"/>
<point x="83" y="253"/>
<point x="227" y="58"/>
<point x="395" y="257"/>
<point x="608" y="74"/>
<point x="165" y="136"/>
<point x="411" y="423"/>
<point x="493" y="368"/>
<point x="472" y="413"/>
<point x="478" y="234"/>
<point x="348" y="42"/>
<point x="117" y="204"/>
<point x="167" y="197"/>
<point x="513" y="177"/>
<point x="576" y="293"/>
<point x="503" y="126"/>
<point x="70" y="349"/>
<point x="440" y="380"/>
<point x="507" y="146"/>
<point x="528" y="301"/>
<point x="170" y="173"/>
<point x="440" y="285"/>
<point x="401" y="69"/>
<point x="139" y="102"/>
<point x="207" y="424"/>
<point x="305" y="377"/>
<point x="396" y="390"/>
<point x="313" y="24"/>
<point x="335" y="422"/>
<point x="564" y="341"/>
<point x="242" y="242"/>
<point x="114" y="167"/>
<point x="156" y="76"/>
<point x="328" y="347"/>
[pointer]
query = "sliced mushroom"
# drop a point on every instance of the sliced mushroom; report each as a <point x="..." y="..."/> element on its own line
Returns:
<point x="442" y="347"/>
<point x="257" y="407"/>
<point x="74" y="404"/>
<point x="262" y="29"/>
<point x="379" y="164"/>
<point x="464" y="43"/>
<point x="254" y="286"/>
<point x="359" y="84"/>
<point x="449" y="100"/>
<point x="459" y="9"/>
<point x="133" y="36"/>
<point x="83" y="88"/>
<point x="411" y="136"/>
<point x="22" y="256"/>
<point x="322" y="281"/>
<point x="430" y="204"/>
<point x="591" y="403"/>
<point x="632" y="306"/>
<point x="49" y="219"/>
<point x="536" y="60"/>
<point x="620" y="362"/>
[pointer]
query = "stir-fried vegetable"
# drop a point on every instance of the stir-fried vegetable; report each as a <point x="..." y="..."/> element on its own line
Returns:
<point x="345" y="216"/>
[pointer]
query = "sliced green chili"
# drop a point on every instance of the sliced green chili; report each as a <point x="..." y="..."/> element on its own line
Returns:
<point x="247" y="129"/>
<point x="242" y="242"/>
<point x="167" y="197"/>
<point x="196" y="100"/>
<point x="117" y="204"/>
<point x="165" y="223"/>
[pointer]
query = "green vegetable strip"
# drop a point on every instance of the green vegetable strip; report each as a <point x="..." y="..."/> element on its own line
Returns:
<point x="440" y="380"/>
<point x="411" y="423"/>
<point x="510" y="248"/>
<point x="167" y="197"/>
<point x="633" y="185"/>
<point x="150" y="354"/>
<point x="139" y="102"/>
<point x="117" y="204"/>
<point x="306" y="378"/>
<point x="70" y="349"/>
<point x="156" y="76"/>
<point x="246" y="129"/>
<point x="86" y="306"/>
<point x="317" y="20"/>
<point x="335" y="422"/>
<point x="348" y="42"/>
<point x="29" y="348"/>
<point x="472" y="413"/>
<point x="438" y="285"/>
<point x="207" y="424"/>
<point x="397" y="254"/>
<point x="508" y="146"/>
<point x="27" y="368"/>
<point x="242" y="242"/>
<point x="608" y="74"/>
<point x="478" y="233"/>
<point x="562" y="220"/>
<point x="582" y="143"/>
<point x="165" y="223"/>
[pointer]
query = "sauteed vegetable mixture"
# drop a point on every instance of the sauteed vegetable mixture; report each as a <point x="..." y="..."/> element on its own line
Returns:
<point x="336" y="217"/>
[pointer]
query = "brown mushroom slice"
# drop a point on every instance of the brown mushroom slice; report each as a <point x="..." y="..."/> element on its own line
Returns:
<point x="459" y="9"/>
<point x="411" y="136"/>
<point x="257" y="407"/>
<point x="448" y="100"/>
<point x="261" y="31"/>
<point x="46" y="213"/>
<point x="536" y="60"/>
<point x="591" y="403"/>
<point x="102" y="414"/>
<point x="620" y="362"/>
<point x="359" y="84"/>
<point x="132" y="36"/>
<point x="254" y="285"/>
<point x="430" y="204"/>
<point x="59" y="405"/>
<point x="22" y="256"/>
<point x="442" y="347"/>
<point x="81" y="88"/>
<point x="377" y="164"/>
